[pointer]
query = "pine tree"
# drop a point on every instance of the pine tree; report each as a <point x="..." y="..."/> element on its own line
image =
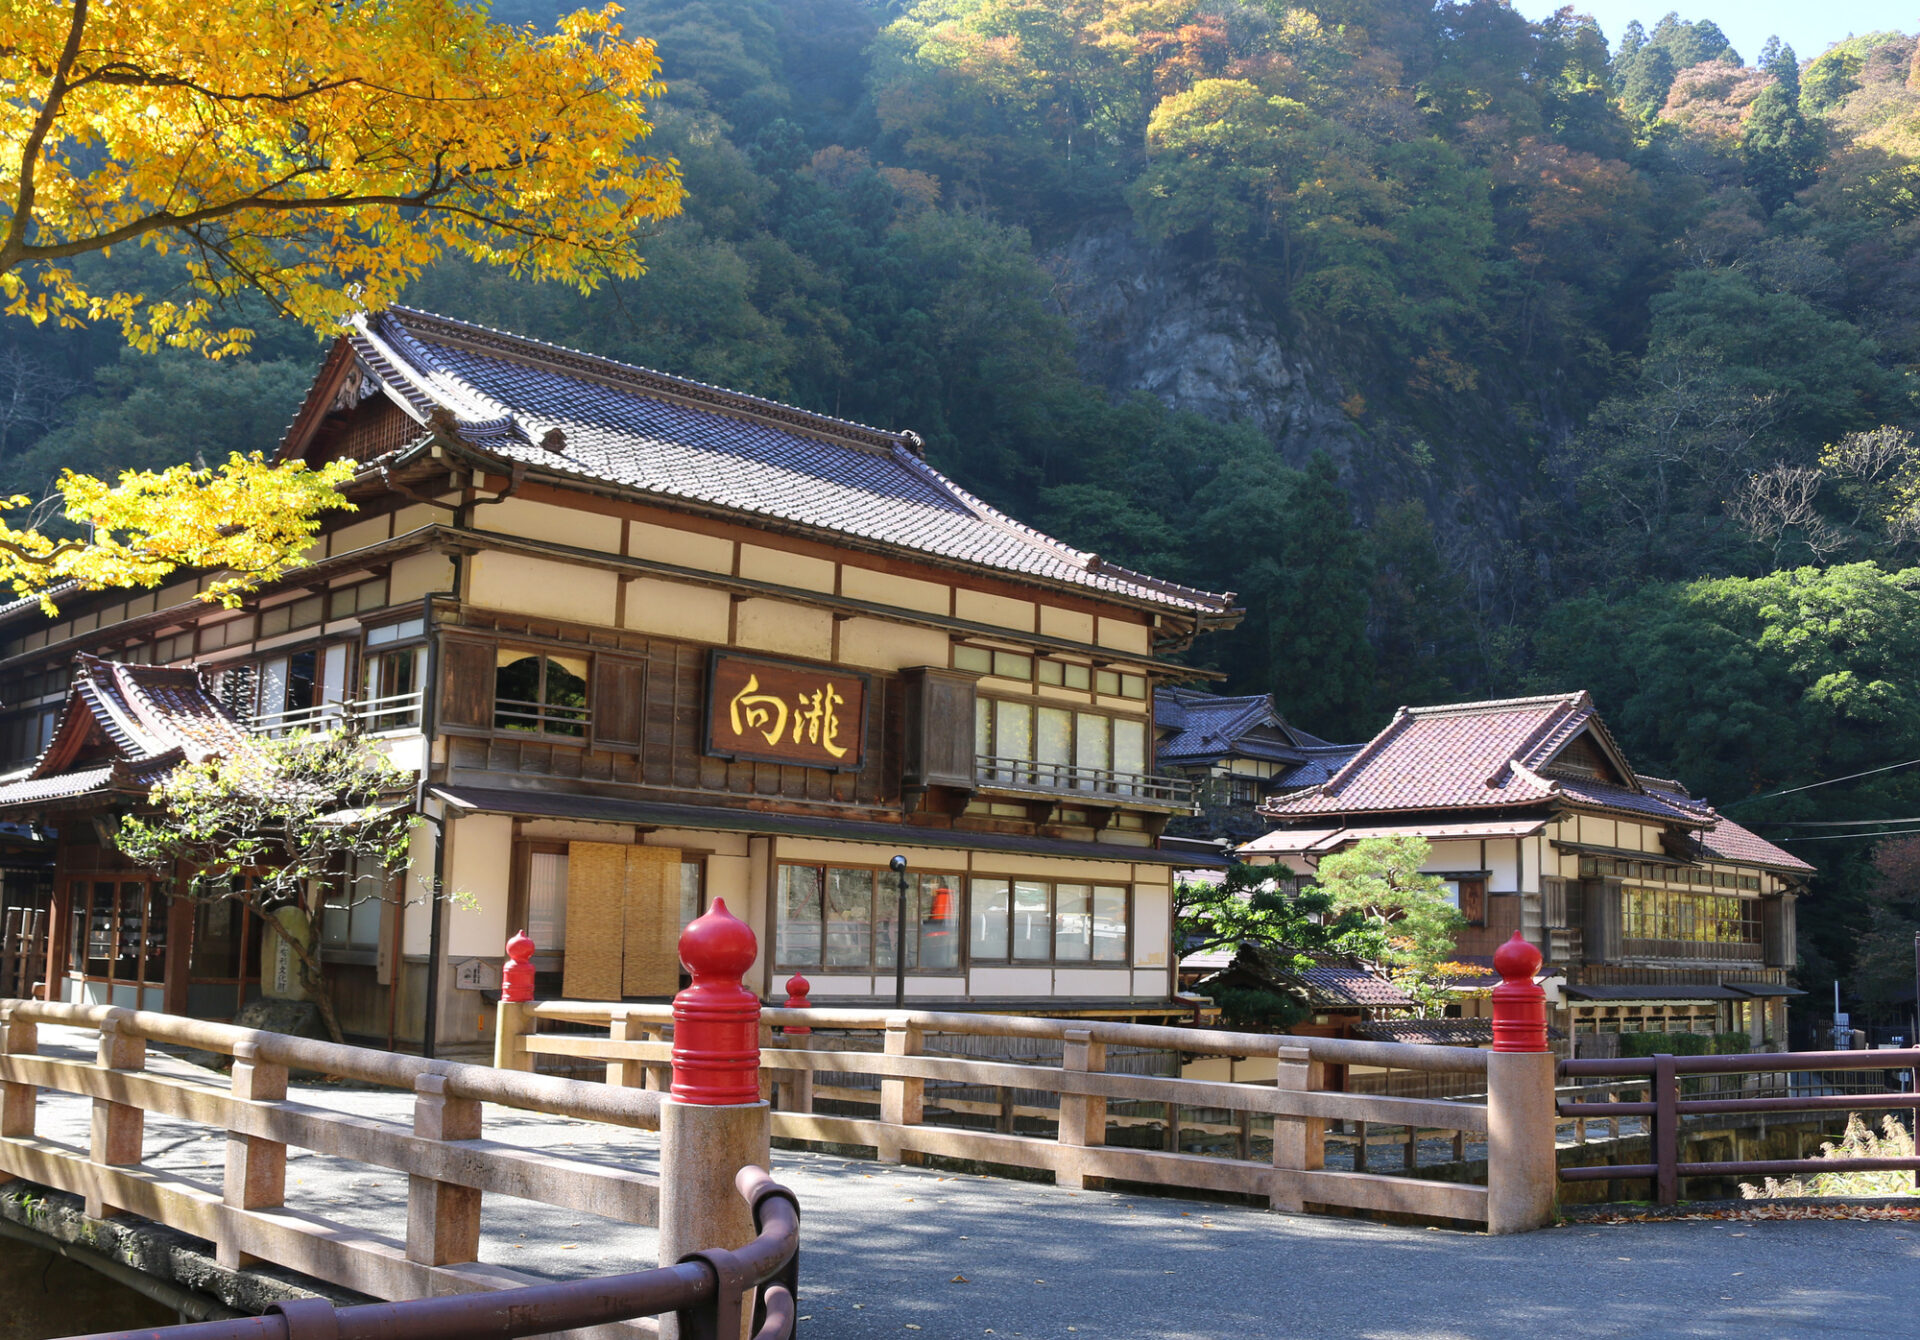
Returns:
<point x="1322" y="662"/>
<point x="1782" y="150"/>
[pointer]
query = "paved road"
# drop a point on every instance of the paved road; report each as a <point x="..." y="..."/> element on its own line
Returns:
<point x="883" y="1247"/>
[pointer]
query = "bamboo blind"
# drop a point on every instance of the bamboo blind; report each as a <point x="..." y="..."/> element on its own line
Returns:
<point x="623" y="921"/>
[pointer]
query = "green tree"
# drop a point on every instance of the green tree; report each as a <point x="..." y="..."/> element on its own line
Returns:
<point x="1781" y="148"/>
<point x="282" y="828"/>
<point x="1379" y="880"/>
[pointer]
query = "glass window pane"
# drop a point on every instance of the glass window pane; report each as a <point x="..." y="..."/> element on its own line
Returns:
<point x="1106" y="681"/>
<point x="939" y="926"/>
<point x="1032" y="933"/>
<point x="1129" y="746"/>
<point x="547" y="901"/>
<point x="972" y="658"/>
<point x="1010" y="665"/>
<point x="1055" y="743"/>
<point x="1049" y="672"/>
<point x="690" y="873"/>
<point x="1013" y="730"/>
<point x="1133" y="686"/>
<point x="796" y="935"/>
<point x="369" y="901"/>
<point x="1078" y="676"/>
<point x="989" y="917"/>
<point x="849" y="918"/>
<point x="1072" y="922"/>
<point x="886" y="913"/>
<point x="1109" y="925"/>
<point x="1092" y="746"/>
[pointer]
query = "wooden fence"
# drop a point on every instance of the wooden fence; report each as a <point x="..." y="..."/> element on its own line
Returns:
<point x="448" y="1162"/>
<point x="1077" y="1090"/>
<point x="23" y="947"/>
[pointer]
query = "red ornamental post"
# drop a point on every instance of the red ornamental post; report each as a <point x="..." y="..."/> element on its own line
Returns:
<point x="1519" y="1002"/>
<point x="797" y="988"/>
<point x="716" y="1021"/>
<point x="516" y="982"/>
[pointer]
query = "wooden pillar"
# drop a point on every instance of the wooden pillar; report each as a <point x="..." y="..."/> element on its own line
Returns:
<point x="1299" y="1143"/>
<point x="119" y="1129"/>
<point x="180" y="928"/>
<point x="443" y="1221"/>
<point x="256" y="1168"/>
<point x="902" y="1100"/>
<point x="1083" y="1118"/>
<point x="59" y="925"/>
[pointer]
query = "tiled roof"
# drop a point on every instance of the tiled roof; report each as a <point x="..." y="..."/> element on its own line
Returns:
<point x="1206" y="726"/>
<point x="719" y="450"/>
<point x="1318" y="763"/>
<point x="1434" y="1032"/>
<point x="1327" y="981"/>
<point x="125" y="727"/>
<point x="1728" y="841"/>
<point x="1474" y="756"/>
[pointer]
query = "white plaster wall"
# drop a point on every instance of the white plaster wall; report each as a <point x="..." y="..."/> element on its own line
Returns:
<point x="1152" y="926"/>
<point x="883" y="588"/>
<point x="1123" y="635"/>
<point x="1000" y="611"/>
<point x="1073" y="625"/>
<point x="418" y="887"/>
<point x="572" y="526"/>
<point x="1092" y="982"/>
<point x="877" y="645"/>
<point x="1149" y="983"/>
<point x="1011" y="982"/>
<point x="535" y="586"/>
<point x="682" y="548"/>
<point x="673" y="609"/>
<point x="479" y="860"/>
<point x="1503" y="859"/>
<point x="785" y="628"/>
<point x="782" y="568"/>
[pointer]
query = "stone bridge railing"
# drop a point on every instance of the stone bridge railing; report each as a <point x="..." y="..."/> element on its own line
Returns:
<point x="711" y="1125"/>
<point x="1055" y="1117"/>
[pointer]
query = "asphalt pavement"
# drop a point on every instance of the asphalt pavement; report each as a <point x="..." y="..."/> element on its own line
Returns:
<point x="899" y="1252"/>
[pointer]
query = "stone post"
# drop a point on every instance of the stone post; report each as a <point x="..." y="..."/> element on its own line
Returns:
<point x="799" y="1038"/>
<point x="1522" y="1170"/>
<point x="1299" y="1143"/>
<point x="443" y="1220"/>
<point x="513" y="1021"/>
<point x="18" y="1037"/>
<point x="119" y="1129"/>
<point x="255" y="1174"/>
<point x="713" y="1121"/>
<point x="1083" y="1118"/>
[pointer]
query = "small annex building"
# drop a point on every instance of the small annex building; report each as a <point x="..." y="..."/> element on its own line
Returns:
<point x="1234" y="750"/>
<point x="645" y="643"/>
<point x="1654" y="912"/>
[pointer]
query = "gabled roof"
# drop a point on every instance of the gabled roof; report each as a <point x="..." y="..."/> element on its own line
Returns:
<point x="1317" y="764"/>
<point x="572" y="415"/>
<point x="1482" y="755"/>
<point x="1206" y="726"/>
<point x="123" y="728"/>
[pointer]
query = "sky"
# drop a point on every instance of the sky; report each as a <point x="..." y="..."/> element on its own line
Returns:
<point x="1808" y="26"/>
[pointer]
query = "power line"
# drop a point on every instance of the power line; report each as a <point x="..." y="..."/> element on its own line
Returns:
<point x="1831" y="781"/>
<point x="1836" y="837"/>
<point x="1828" y="823"/>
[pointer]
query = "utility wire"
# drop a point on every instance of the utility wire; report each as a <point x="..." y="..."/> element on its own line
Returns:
<point x="1829" y="823"/>
<point x="1835" y="837"/>
<point x="1795" y="790"/>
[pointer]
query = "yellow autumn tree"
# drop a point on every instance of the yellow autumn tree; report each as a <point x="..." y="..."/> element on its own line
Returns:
<point x="318" y="154"/>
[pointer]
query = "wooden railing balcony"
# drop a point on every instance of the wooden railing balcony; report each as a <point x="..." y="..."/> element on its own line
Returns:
<point x="1095" y="786"/>
<point x="375" y="716"/>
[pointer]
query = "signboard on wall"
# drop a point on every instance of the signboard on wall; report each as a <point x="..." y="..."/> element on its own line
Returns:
<point x="769" y="711"/>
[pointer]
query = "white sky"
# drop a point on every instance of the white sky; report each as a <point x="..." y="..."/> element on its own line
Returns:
<point x="1809" y="28"/>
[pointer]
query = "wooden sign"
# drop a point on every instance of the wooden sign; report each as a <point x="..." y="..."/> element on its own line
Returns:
<point x="786" y="712"/>
<point x="476" y="974"/>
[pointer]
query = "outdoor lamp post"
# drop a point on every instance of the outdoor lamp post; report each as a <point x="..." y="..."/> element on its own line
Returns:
<point x="899" y="867"/>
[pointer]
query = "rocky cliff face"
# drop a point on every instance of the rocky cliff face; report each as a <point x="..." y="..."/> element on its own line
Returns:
<point x="1200" y="337"/>
<point x="1196" y="336"/>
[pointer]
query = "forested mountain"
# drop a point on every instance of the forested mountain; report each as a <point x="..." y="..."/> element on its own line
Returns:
<point x="1478" y="355"/>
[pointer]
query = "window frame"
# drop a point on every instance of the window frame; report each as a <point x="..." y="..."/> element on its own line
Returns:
<point x="883" y="887"/>
<point x="580" y="726"/>
<point x="1053" y="959"/>
<point x="1106" y="779"/>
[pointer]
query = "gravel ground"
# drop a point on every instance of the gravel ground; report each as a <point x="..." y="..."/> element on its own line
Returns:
<point x="890" y="1251"/>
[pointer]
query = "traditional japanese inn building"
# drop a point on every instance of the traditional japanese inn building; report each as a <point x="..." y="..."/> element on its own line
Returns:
<point x="646" y="643"/>
<point x="1655" y="913"/>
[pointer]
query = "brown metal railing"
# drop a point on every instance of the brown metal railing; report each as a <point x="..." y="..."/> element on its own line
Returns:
<point x="706" y="1291"/>
<point x="1666" y="1109"/>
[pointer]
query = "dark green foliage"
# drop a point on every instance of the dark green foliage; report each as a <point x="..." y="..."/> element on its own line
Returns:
<point x="1685" y="1044"/>
<point x="1256" y="1010"/>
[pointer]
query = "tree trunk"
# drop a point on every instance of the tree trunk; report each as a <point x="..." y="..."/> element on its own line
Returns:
<point x="313" y="980"/>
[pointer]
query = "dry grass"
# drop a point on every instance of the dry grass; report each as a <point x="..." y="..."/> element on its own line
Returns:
<point x="1860" y="1142"/>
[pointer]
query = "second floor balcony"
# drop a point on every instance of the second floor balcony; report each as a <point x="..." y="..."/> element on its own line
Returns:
<point x="393" y="714"/>
<point x="1070" y="783"/>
